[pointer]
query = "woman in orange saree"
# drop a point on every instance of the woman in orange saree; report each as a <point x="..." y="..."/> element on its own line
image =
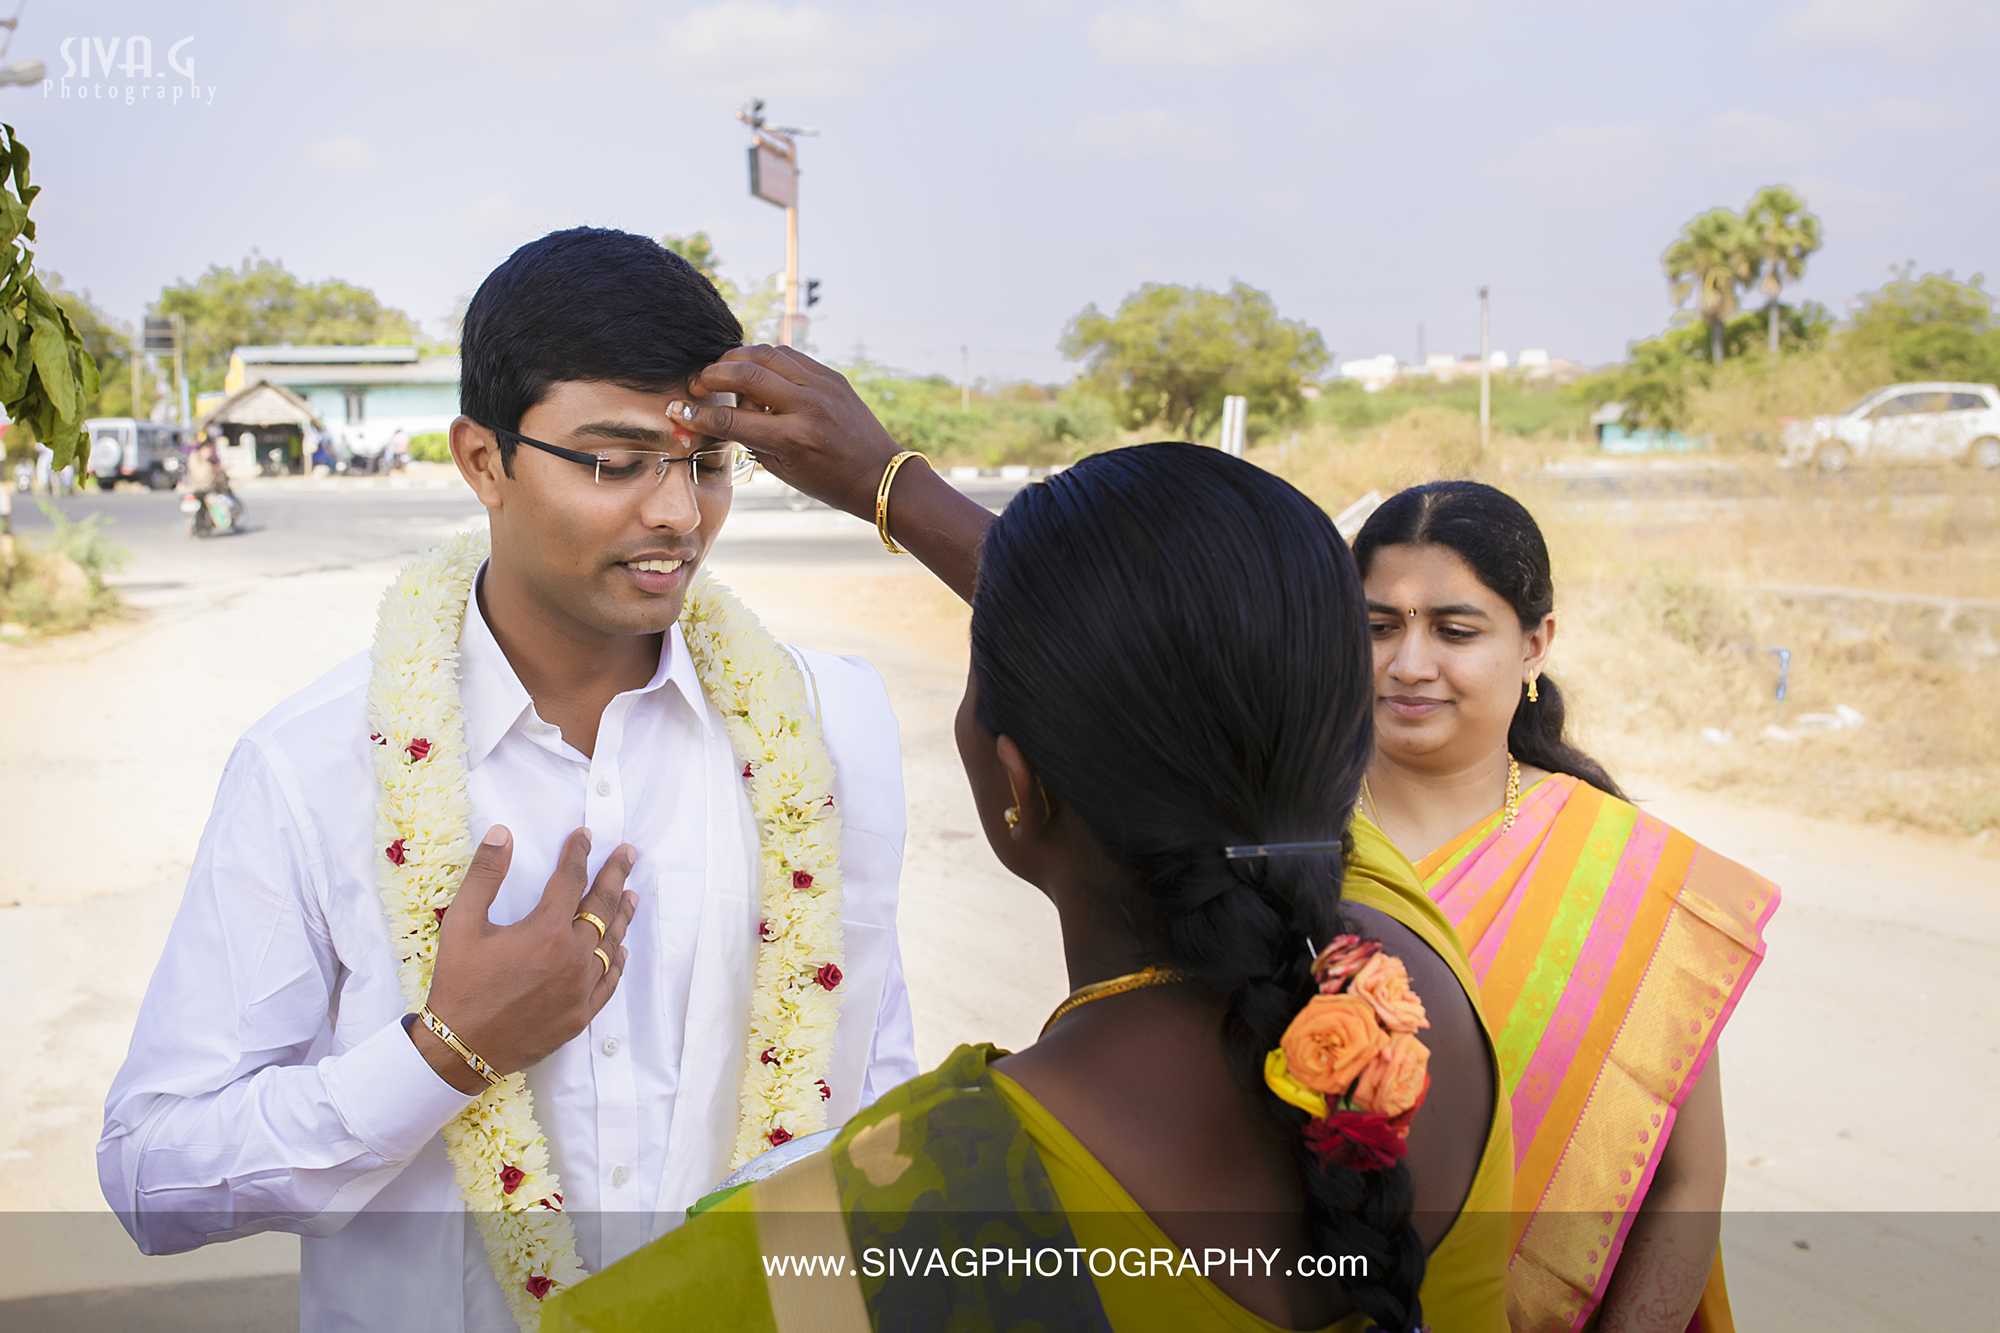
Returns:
<point x="1610" y="948"/>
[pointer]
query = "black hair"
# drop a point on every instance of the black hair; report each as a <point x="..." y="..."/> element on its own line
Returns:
<point x="588" y="303"/>
<point x="1177" y="641"/>
<point x="1496" y="535"/>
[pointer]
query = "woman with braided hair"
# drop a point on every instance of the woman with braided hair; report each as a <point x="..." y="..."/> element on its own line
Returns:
<point x="1270" y="1083"/>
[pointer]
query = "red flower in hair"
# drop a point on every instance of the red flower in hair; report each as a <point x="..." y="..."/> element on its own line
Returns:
<point x="510" y="1178"/>
<point x="802" y="879"/>
<point x="419" y="749"/>
<point x="828" y="975"/>
<point x="1339" y="961"/>
<point x="1357" y="1140"/>
<point x="539" y="1286"/>
<point x="779" y="1137"/>
<point x="394" y="851"/>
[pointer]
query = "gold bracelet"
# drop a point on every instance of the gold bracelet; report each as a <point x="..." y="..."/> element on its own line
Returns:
<point x="882" y="499"/>
<point x="442" y="1031"/>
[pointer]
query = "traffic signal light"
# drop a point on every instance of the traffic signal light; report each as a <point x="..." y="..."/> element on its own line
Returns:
<point x="812" y="292"/>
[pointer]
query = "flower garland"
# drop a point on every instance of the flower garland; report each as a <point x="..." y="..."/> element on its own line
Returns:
<point x="1351" y="1059"/>
<point x="498" y="1152"/>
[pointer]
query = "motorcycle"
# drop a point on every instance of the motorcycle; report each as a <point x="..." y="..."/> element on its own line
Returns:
<point x="212" y="515"/>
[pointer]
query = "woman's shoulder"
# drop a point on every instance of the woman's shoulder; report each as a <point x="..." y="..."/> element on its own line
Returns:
<point x="1463" y="1131"/>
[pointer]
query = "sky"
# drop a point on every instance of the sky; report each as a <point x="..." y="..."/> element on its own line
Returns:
<point x="979" y="177"/>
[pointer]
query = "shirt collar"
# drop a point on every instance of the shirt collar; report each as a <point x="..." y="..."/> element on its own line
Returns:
<point x="496" y="702"/>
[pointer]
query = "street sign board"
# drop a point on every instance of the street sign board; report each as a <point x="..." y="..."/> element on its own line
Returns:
<point x="159" y="336"/>
<point x="774" y="178"/>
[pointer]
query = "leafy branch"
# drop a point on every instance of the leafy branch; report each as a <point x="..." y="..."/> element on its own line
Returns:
<point x="46" y="378"/>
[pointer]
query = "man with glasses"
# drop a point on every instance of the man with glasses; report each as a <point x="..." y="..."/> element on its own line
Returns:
<point x="277" y="1079"/>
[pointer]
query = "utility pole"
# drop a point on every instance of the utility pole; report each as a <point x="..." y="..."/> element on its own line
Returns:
<point x="774" y="178"/>
<point x="786" y="334"/>
<point x="180" y="368"/>
<point x="1485" y="374"/>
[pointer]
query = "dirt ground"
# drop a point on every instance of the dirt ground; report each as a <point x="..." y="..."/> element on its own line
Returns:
<point x="1859" y="1073"/>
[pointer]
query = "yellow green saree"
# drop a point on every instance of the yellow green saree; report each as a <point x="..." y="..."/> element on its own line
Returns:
<point x="889" y="1228"/>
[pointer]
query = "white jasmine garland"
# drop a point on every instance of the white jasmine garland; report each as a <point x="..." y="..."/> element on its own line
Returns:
<point x="423" y="819"/>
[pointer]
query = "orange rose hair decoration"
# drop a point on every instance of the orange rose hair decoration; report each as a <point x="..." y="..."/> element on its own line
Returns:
<point x="1351" y="1059"/>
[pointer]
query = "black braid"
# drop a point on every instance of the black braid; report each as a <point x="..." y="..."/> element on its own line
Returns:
<point x="1178" y="643"/>
<point x="1248" y="941"/>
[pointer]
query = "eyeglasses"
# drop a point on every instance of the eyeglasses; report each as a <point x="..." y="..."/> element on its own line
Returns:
<point x="717" y="468"/>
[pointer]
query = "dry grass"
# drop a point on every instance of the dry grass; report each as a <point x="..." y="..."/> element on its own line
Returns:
<point x="1745" y="399"/>
<point x="1670" y="603"/>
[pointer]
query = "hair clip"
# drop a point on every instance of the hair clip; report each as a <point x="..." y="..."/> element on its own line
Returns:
<point x="1257" y="851"/>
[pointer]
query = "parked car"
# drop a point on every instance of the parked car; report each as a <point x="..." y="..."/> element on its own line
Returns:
<point x="122" y="449"/>
<point x="1904" y="423"/>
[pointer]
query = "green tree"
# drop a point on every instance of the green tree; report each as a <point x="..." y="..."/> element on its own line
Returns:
<point x="1709" y="261"/>
<point x="1930" y="327"/>
<point x="1783" y="235"/>
<point x="758" y="308"/>
<point x="1170" y="354"/>
<point x="260" y="302"/>
<point x="109" y="343"/>
<point x="47" y="379"/>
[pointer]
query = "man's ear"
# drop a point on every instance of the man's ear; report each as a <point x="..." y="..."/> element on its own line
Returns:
<point x="477" y="454"/>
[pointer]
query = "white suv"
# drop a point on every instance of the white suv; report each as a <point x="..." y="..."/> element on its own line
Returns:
<point x="1904" y="423"/>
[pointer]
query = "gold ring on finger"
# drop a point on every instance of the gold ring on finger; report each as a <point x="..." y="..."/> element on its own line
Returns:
<point x="605" y="959"/>
<point x="595" y="920"/>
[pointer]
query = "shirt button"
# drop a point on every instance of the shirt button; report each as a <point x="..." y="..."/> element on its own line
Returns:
<point x="619" y="1175"/>
<point x="603" y="786"/>
<point x="611" y="1045"/>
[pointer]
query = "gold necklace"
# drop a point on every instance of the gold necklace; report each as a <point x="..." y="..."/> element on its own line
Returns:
<point x="1509" y="812"/>
<point x="1104" y="990"/>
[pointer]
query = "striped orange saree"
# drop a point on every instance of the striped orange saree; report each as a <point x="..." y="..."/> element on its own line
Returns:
<point x="1610" y="950"/>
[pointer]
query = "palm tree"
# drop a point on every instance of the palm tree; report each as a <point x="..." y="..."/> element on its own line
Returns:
<point x="1782" y="236"/>
<point x="1709" y="261"/>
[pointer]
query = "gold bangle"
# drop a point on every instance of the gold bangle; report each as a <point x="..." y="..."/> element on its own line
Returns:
<point x="442" y="1031"/>
<point x="882" y="499"/>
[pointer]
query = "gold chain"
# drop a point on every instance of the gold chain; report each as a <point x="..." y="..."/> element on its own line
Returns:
<point x="1509" y="812"/>
<point x="1104" y="990"/>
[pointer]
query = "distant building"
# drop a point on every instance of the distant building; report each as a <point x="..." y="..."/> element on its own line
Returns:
<point x="1534" y="363"/>
<point x="1373" y="373"/>
<point x="362" y="394"/>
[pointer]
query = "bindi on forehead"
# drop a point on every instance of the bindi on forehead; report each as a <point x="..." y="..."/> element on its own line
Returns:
<point x="1452" y="611"/>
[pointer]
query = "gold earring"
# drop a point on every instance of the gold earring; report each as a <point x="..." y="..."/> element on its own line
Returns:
<point x="1013" y="816"/>
<point x="1534" y="694"/>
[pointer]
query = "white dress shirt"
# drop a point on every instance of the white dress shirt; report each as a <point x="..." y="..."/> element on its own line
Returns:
<point x="271" y="1085"/>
